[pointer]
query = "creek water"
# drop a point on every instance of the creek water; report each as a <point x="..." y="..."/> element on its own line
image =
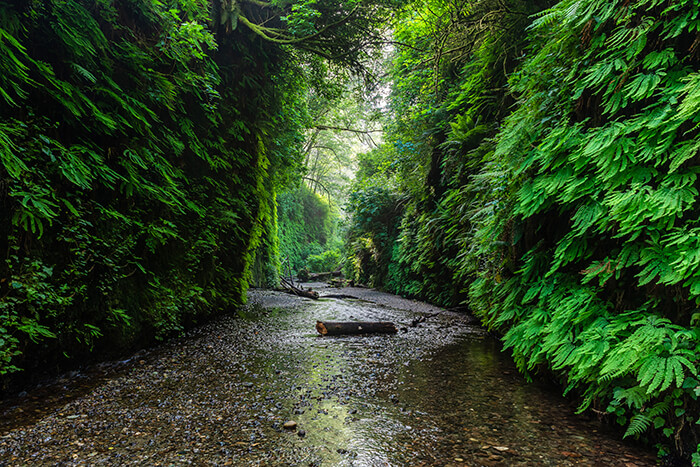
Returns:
<point x="441" y="393"/>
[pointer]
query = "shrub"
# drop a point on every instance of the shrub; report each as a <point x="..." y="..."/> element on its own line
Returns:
<point x="327" y="261"/>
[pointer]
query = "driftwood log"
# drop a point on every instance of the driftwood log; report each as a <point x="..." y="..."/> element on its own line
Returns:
<point x="335" y="328"/>
<point x="304" y="293"/>
<point x="292" y="289"/>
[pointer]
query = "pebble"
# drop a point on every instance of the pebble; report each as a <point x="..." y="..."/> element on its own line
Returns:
<point x="290" y="425"/>
<point x="301" y="433"/>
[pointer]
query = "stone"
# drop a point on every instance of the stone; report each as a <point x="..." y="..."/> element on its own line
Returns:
<point x="290" y="425"/>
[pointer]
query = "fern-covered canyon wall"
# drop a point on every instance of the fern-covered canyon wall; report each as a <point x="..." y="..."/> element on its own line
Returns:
<point x="542" y="169"/>
<point x="309" y="232"/>
<point x="142" y="147"/>
<point x="138" y="171"/>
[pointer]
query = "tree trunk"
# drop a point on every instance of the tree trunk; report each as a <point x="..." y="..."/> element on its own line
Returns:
<point x="289" y="288"/>
<point x="355" y="327"/>
<point x="303" y="293"/>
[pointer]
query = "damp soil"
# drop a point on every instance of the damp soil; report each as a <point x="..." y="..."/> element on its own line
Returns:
<point x="441" y="393"/>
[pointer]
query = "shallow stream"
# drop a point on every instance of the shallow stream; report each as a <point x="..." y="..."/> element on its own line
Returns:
<point x="440" y="393"/>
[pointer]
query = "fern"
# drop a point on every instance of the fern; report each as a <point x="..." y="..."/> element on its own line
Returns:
<point x="641" y="422"/>
<point x="9" y="152"/>
<point x="638" y="425"/>
<point x="635" y="397"/>
<point x="14" y="69"/>
<point x="137" y="140"/>
<point x="84" y="73"/>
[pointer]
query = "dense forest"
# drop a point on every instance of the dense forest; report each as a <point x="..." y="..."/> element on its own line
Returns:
<point x="538" y="165"/>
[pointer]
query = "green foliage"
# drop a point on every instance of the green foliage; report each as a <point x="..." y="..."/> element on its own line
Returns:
<point x="343" y="124"/>
<point x="303" y="274"/>
<point x="599" y="214"/>
<point x="560" y="195"/>
<point x="142" y="145"/>
<point x="448" y="95"/>
<point x="308" y="226"/>
<point x="329" y="260"/>
<point x="376" y="213"/>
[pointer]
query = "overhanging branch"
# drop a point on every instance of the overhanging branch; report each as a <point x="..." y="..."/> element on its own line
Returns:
<point x="284" y="38"/>
<point x="328" y="193"/>
<point x="352" y="130"/>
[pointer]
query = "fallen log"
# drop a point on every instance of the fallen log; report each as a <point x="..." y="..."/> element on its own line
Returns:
<point x="421" y="319"/>
<point x="335" y="328"/>
<point x="303" y="293"/>
<point x="290" y="288"/>
<point x="321" y="276"/>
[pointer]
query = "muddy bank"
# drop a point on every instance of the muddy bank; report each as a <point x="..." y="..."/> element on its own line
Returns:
<point x="437" y="394"/>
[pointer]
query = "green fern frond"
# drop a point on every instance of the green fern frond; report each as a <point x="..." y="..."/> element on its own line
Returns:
<point x="9" y="154"/>
<point x="634" y="397"/>
<point x="638" y="425"/>
<point x="84" y="73"/>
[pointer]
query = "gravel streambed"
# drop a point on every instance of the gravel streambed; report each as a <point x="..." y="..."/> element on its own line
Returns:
<point x="263" y="388"/>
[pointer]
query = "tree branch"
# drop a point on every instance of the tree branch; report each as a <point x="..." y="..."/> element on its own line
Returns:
<point x="320" y="146"/>
<point x="265" y="32"/>
<point x="328" y="193"/>
<point x="352" y="130"/>
<point x="260" y="3"/>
